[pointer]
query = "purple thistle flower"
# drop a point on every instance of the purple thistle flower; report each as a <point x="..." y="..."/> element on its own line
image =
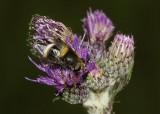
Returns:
<point x="46" y="29"/>
<point x="98" y="26"/>
<point x="49" y="32"/>
<point x="60" y="77"/>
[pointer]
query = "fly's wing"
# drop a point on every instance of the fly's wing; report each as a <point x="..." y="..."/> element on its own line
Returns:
<point x="62" y="32"/>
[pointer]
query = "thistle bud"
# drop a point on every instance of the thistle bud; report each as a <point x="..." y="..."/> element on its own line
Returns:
<point x="115" y="66"/>
<point x="120" y="60"/>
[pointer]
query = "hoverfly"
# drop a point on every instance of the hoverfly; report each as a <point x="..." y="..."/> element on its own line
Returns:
<point x="59" y="52"/>
<point x="62" y="54"/>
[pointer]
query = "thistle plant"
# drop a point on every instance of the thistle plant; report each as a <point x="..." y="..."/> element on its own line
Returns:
<point x="99" y="74"/>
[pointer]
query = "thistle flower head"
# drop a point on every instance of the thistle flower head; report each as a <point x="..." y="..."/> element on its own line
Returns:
<point x="48" y="32"/>
<point x="98" y="26"/>
<point x="120" y="55"/>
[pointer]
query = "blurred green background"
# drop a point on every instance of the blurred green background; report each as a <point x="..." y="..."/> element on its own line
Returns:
<point x="137" y="17"/>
